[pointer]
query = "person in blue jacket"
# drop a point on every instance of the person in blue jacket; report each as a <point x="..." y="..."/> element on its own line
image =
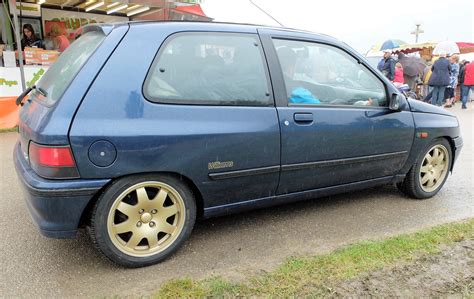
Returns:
<point x="387" y="65"/>
<point x="440" y="79"/>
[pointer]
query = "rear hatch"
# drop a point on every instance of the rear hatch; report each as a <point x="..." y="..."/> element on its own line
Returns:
<point x="46" y="115"/>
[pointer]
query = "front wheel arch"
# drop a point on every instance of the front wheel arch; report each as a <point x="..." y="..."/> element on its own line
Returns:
<point x="411" y="185"/>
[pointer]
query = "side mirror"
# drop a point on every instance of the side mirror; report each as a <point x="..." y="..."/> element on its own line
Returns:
<point x="395" y="102"/>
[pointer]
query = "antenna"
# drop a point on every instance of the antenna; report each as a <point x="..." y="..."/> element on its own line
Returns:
<point x="261" y="9"/>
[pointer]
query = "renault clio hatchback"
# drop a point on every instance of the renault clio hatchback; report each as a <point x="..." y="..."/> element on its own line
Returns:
<point x="140" y="128"/>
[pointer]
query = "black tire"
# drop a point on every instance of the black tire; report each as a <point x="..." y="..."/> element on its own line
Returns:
<point x="99" y="229"/>
<point x="412" y="185"/>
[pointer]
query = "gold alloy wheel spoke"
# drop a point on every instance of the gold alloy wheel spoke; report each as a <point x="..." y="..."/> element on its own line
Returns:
<point x="436" y="154"/>
<point x="425" y="169"/>
<point x="124" y="227"/>
<point x="440" y="158"/>
<point x="161" y="197"/>
<point x="134" y="240"/>
<point x="431" y="182"/>
<point x="142" y="197"/>
<point x="145" y="220"/>
<point x="126" y="209"/>
<point x="152" y="240"/>
<point x="429" y="158"/>
<point x="439" y="168"/>
<point x="168" y="211"/>
<point x="165" y="227"/>
<point x="425" y="179"/>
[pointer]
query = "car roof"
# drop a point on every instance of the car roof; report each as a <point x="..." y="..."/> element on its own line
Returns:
<point x="237" y="26"/>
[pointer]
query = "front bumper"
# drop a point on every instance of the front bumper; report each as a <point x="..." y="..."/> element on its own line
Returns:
<point x="56" y="206"/>
<point x="458" y="144"/>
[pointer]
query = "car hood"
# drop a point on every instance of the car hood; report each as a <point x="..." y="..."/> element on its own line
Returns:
<point x="422" y="107"/>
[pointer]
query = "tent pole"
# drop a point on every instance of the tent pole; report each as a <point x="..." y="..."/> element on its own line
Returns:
<point x="18" y="43"/>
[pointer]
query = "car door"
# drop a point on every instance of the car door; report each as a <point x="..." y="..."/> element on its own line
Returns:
<point x="336" y="127"/>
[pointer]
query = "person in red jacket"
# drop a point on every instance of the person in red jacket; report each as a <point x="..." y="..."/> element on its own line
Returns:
<point x="398" y="74"/>
<point x="468" y="83"/>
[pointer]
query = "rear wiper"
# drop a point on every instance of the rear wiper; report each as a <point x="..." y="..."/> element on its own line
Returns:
<point x="19" y="100"/>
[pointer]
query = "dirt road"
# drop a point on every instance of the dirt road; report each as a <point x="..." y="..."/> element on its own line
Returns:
<point x="231" y="246"/>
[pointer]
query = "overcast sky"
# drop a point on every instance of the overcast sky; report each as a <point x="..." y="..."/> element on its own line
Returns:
<point x="360" y="23"/>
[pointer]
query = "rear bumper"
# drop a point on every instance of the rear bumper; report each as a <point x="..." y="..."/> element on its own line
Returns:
<point x="56" y="206"/>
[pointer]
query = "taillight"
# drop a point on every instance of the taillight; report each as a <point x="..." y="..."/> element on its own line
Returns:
<point x="53" y="162"/>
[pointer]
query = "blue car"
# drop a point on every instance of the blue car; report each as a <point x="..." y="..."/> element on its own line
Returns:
<point x="141" y="128"/>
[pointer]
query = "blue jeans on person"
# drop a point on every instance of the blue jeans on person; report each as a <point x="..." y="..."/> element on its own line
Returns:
<point x="438" y="95"/>
<point x="465" y="93"/>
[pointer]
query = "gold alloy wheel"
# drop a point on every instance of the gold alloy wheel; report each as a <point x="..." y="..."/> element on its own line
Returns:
<point x="434" y="168"/>
<point x="146" y="219"/>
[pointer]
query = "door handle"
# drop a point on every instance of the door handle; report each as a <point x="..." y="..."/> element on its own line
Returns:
<point x="303" y="118"/>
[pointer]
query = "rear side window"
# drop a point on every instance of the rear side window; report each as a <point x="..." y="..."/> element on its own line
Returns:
<point x="209" y="69"/>
<point x="62" y="72"/>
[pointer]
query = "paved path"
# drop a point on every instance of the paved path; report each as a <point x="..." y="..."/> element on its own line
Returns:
<point x="232" y="246"/>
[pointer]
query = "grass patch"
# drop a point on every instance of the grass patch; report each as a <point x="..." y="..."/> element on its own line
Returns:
<point x="14" y="129"/>
<point x="308" y="276"/>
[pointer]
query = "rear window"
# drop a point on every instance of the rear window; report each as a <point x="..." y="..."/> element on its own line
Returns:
<point x="209" y="69"/>
<point x="63" y="71"/>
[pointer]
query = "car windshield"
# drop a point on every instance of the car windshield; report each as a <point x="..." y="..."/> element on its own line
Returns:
<point x="63" y="71"/>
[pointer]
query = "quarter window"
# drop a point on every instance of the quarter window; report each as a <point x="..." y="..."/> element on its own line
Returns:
<point x="209" y="69"/>
<point x="324" y="75"/>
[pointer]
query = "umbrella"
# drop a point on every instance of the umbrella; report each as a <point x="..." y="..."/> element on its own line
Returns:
<point x="391" y="43"/>
<point x="412" y="66"/>
<point x="446" y="47"/>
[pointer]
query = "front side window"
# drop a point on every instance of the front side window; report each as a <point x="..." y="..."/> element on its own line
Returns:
<point x="209" y="69"/>
<point x="324" y="75"/>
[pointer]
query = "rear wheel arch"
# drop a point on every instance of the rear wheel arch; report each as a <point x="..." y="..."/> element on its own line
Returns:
<point x="87" y="213"/>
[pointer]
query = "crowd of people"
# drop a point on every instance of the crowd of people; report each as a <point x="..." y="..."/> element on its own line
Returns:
<point x="439" y="79"/>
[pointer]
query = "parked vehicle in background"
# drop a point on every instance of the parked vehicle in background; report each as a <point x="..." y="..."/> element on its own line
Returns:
<point x="134" y="135"/>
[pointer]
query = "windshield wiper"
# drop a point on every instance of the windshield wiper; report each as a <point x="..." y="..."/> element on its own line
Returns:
<point x="19" y="100"/>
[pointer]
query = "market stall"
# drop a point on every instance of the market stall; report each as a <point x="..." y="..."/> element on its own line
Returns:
<point x="10" y="88"/>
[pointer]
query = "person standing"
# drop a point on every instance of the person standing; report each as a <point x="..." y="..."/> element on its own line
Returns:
<point x="468" y="83"/>
<point x="387" y="65"/>
<point x="462" y="72"/>
<point x="398" y="74"/>
<point x="60" y="41"/>
<point x="30" y="39"/>
<point x="440" y="79"/>
<point x="425" y="76"/>
<point x="453" y="81"/>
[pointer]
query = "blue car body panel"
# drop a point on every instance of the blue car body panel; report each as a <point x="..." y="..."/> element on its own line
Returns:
<point x="269" y="156"/>
<point x="182" y="139"/>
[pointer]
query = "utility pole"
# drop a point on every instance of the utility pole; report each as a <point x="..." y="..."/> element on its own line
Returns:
<point x="18" y="42"/>
<point x="417" y="32"/>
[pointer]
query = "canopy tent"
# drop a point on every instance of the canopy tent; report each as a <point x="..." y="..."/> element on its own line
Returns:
<point x="411" y="48"/>
<point x="465" y="48"/>
<point x="191" y="9"/>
